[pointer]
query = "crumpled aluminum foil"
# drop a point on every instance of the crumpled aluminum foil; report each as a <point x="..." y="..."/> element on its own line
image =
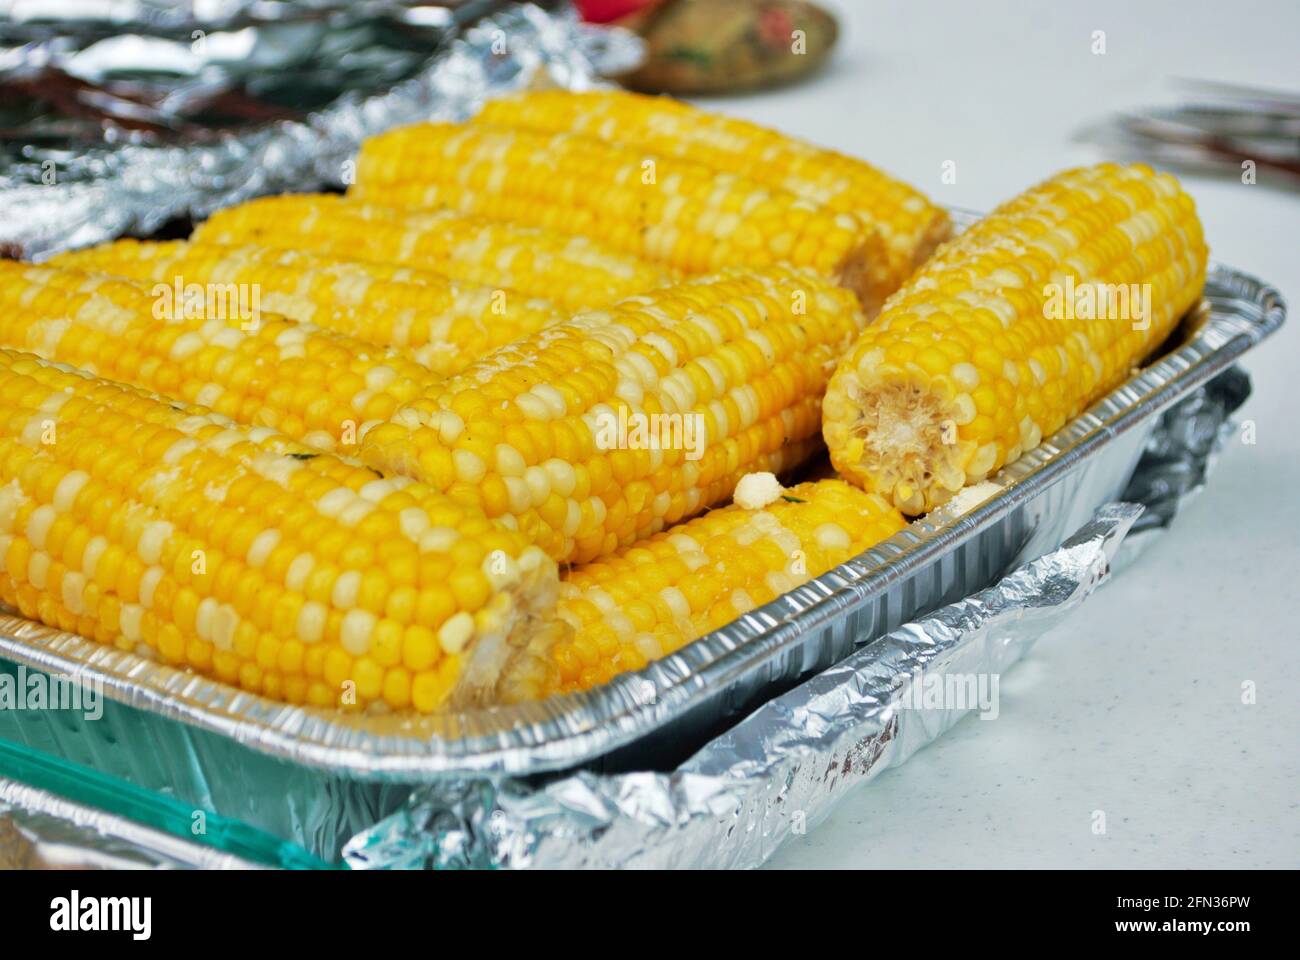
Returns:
<point x="136" y="187"/>
<point x="1182" y="450"/>
<point x="776" y="773"/>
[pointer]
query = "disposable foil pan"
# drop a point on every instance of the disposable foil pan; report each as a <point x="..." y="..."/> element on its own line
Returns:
<point x="317" y="776"/>
<point x="780" y="770"/>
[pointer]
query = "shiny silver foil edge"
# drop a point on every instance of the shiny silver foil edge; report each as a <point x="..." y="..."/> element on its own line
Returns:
<point x="778" y="772"/>
<point x="1183" y="449"/>
<point x="169" y="16"/>
<point x="41" y="830"/>
<point x="145" y="186"/>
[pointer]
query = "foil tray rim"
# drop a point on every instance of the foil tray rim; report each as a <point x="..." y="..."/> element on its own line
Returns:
<point x="566" y="731"/>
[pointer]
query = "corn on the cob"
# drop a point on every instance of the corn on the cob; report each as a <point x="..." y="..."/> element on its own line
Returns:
<point x="994" y="344"/>
<point x="573" y="272"/>
<point x="256" y="368"/>
<point x="441" y="324"/>
<point x="910" y="225"/>
<point x="167" y="530"/>
<point x="664" y="209"/>
<point x="653" y="598"/>
<point x="606" y="428"/>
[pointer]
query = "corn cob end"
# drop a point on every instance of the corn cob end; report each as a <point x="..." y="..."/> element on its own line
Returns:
<point x="936" y="231"/>
<point x="1012" y="329"/>
<point x="896" y="436"/>
<point x="866" y="272"/>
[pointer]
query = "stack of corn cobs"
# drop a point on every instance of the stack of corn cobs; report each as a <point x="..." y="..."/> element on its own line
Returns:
<point x="461" y="436"/>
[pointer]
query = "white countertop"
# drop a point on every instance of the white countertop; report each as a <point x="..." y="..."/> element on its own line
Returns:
<point x="1134" y="705"/>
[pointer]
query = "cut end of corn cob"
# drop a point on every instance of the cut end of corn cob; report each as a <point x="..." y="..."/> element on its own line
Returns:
<point x="1012" y="329"/>
<point x="897" y="435"/>
<point x="863" y="270"/>
<point x="651" y="599"/>
<point x="608" y="427"/>
<point x="168" y="531"/>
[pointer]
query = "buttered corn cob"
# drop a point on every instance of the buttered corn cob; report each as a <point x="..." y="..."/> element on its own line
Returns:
<point x="166" y="530"/>
<point x="573" y="272"/>
<point x="256" y="368"/>
<point x="1012" y="329"/>
<point x="909" y="224"/>
<point x="666" y="209"/>
<point x="438" y="323"/>
<point x="654" y="597"/>
<point x="606" y="428"/>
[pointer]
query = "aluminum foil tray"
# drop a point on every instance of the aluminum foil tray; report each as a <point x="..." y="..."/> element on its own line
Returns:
<point x="781" y="769"/>
<point x="315" y="777"/>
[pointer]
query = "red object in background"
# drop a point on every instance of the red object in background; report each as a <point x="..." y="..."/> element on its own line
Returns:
<point x="603" y="11"/>
<point x="775" y="27"/>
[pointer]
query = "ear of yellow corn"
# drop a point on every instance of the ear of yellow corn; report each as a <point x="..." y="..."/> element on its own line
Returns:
<point x="167" y="530"/>
<point x="573" y="272"/>
<point x="606" y="428"/>
<point x="217" y="349"/>
<point x="910" y="225"/>
<point x="438" y="323"/>
<point x="654" y="597"/>
<point x="1012" y="329"/>
<point x="665" y="209"/>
